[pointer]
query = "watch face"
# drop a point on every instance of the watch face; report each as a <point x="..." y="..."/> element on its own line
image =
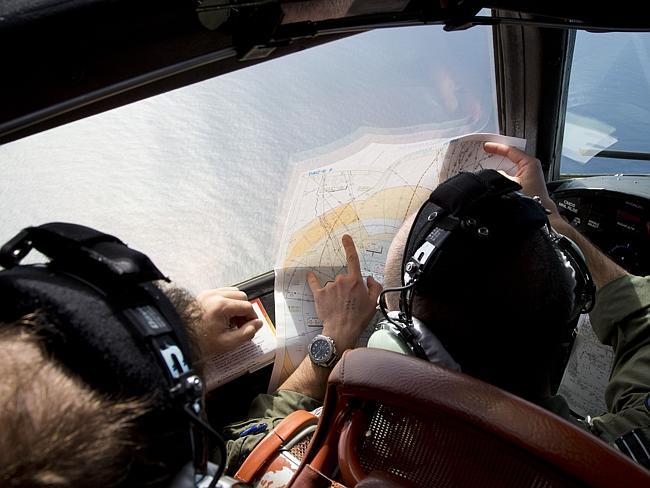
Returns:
<point x="320" y="350"/>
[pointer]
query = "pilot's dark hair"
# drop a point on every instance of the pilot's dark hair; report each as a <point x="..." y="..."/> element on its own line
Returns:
<point x="500" y="310"/>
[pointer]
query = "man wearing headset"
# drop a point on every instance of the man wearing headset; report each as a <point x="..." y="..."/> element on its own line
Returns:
<point x="517" y="359"/>
<point x="620" y="318"/>
<point x="58" y="431"/>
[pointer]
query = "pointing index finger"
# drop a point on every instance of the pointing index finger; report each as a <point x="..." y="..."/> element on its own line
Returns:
<point x="351" y="256"/>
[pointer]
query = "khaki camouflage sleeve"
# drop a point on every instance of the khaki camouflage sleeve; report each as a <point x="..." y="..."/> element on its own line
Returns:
<point x="265" y="413"/>
<point x="621" y="319"/>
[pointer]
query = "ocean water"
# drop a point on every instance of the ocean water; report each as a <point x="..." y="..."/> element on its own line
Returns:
<point x="196" y="178"/>
<point x="609" y="102"/>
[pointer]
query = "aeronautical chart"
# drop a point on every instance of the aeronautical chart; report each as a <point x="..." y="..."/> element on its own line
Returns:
<point x="367" y="194"/>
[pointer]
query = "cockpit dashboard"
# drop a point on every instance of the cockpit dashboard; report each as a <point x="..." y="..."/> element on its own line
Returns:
<point x="613" y="212"/>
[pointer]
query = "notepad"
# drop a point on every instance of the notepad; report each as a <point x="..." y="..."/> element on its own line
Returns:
<point x="249" y="357"/>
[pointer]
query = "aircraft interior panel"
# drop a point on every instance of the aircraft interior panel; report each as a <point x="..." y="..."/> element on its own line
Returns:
<point x="614" y="213"/>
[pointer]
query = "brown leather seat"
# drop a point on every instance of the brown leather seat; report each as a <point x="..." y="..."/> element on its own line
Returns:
<point x="423" y="425"/>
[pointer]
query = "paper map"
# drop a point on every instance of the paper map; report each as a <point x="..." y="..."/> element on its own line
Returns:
<point x="366" y="194"/>
<point x="587" y="372"/>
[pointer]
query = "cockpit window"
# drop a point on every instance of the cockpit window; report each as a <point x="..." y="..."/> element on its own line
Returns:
<point x="197" y="177"/>
<point x="608" y="109"/>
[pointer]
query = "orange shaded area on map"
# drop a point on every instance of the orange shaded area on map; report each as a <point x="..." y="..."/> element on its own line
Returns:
<point x="392" y="204"/>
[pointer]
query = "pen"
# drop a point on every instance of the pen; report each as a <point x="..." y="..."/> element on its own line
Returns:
<point x="253" y="429"/>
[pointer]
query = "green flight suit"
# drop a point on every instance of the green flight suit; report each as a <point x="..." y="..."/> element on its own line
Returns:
<point x="265" y="409"/>
<point x="621" y="318"/>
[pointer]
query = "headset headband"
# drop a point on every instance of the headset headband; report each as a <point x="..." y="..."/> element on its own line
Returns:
<point x="459" y="203"/>
<point x="101" y="256"/>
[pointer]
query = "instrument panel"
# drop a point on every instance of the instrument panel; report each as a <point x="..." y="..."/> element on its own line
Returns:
<point x="613" y="212"/>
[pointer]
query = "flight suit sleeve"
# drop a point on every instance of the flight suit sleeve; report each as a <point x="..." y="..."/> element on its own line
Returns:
<point x="621" y="319"/>
<point x="265" y="413"/>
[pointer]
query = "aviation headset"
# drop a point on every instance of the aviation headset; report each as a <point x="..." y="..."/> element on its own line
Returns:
<point x="106" y="322"/>
<point x="459" y="206"/>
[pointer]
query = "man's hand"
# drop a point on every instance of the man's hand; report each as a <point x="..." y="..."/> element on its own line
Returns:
<point x="529" y="173"/>
<point x="227" y="320"/>
<point x="531" y="178"/>
<point x="345" y="305"/>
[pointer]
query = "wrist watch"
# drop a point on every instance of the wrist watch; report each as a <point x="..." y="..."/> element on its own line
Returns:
<point x="322" y="351"/>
